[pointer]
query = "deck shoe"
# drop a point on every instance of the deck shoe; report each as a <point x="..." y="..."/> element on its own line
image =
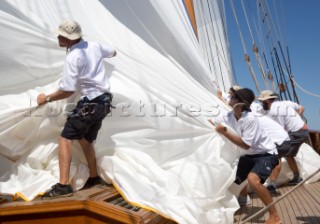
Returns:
<point x="295" y="181"/>
<point x="92" y="181"/>
<point x="272" y="189"/>
<point x="244" y="200"/>
<point x="59" y="190"/>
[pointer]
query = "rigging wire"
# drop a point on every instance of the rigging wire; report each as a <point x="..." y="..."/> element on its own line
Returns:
<point x="259" y="34"/>
<point x="288" y="55"/>
<point x="285" y="34"/>
<point x="246" y="56"/>
<point x="284" y="24"/>
<point x="268" y="34"/>
<point x="284" y="58"/>
<point x="282" y="77"/>
<point x="272" y="52"/>
<point x="255" y="48"/>
<point x="275" y="72"/>
<point x="277" y="19"/>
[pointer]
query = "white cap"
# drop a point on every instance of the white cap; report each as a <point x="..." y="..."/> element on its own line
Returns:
<point x="69" y="29"/>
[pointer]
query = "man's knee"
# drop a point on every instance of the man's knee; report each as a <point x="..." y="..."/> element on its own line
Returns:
<point x="253" y="179"/>
<point x="63" y="140"/>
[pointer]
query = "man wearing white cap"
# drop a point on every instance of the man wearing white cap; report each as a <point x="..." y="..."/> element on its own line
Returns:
<point x="83" y="70"/>
<point x="288" y="118"/>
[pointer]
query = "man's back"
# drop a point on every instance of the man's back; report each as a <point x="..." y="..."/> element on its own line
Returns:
<point x="286" y="116"/>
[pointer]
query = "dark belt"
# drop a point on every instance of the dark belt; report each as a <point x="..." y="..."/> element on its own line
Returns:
<point x="102" y="98"/>
<point x="259" y="155"/>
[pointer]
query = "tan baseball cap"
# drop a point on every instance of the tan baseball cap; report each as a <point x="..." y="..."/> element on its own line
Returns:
<point x="267" y="94"/>
<point x="69" y="29"/>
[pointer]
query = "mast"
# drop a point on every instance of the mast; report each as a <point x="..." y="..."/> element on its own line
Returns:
<point x="190" y="10"/>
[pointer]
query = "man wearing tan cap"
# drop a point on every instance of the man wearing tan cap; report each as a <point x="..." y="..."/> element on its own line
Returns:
<point x="83" y="70"/>
<point x="291" y="121"/>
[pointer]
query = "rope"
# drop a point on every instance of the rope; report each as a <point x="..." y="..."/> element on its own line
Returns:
<point x="255" y="48"/>
<point x="246" y="57"/>
<point x="236" y="18"/>
<point x="270" y="77"/>
<point x="256" y="51"/>
<point x="280" y="198"/>
<point x="302" y="89"/>
<point x="245" y="15"/>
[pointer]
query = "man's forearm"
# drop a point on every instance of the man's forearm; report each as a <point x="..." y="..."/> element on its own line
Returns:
<point x="59" y="95"/>
<point x="235" y="139"/>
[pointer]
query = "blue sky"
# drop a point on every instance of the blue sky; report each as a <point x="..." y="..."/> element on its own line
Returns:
<point x="302" y="33"/>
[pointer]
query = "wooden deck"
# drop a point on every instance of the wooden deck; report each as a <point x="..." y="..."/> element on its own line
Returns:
<point x="97" y="205"/>
<point x="302" y="206"/>
<point x="105" y="205"/>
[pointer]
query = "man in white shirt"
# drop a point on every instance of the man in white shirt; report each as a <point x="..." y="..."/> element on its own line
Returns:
<point x="297" y="107"/>
<point x="282" y="140"/>
<point x="288" y="118"/>
<point x="260" y="152"/>
<point x="83" y="70"/>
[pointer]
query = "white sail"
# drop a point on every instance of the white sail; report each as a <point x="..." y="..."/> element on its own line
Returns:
<point x="212" y="35"/>
<point x="156" y="147"/>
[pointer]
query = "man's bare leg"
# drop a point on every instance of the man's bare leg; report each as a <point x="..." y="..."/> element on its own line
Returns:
<point x="65" y="156"/>
<point x="275" y="172"/>
<point x="265" y="197"/>
<point x="292" y="164"/>
<point x="90" y="155"/>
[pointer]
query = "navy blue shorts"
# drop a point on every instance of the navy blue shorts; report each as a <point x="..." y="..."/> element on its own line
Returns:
<point x="86" y="119"/>
<point x="260" y="164"/>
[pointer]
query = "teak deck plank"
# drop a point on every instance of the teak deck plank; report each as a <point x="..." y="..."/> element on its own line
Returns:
<point x="301" y="206"/>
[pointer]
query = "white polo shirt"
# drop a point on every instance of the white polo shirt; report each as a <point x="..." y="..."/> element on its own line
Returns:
<point x="256" y="108"/>
<point x="274" y="130"/>
<point x="294" y="105"/>
<point x="84" y="69"/>
<point x="248" y="128"/>
<point x="286" y="116"/>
